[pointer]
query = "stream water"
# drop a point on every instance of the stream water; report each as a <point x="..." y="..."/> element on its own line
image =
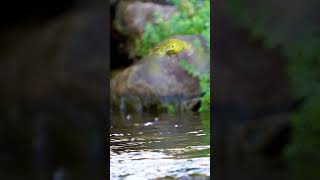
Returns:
<point x="160" y="146"/>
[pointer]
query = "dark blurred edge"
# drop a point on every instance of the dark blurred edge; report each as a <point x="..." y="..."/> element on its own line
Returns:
<point x="214" y="18"/>
<point x="214" y="8"/>
<point x="32" y="144"/>
<point x="225" y="162"/>
<point x="107" y="150"/>
<point x="214" y="24"/>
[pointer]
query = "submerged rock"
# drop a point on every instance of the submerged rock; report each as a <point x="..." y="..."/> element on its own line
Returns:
<point x="158" y="80"/>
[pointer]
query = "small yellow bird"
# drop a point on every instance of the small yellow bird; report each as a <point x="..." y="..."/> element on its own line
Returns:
<point x="171" y="47"/>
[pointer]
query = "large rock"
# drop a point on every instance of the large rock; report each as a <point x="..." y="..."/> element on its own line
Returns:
<point x="130" y="20"/>
<point x="161" y="79"/>
<point x="132" y="16"/>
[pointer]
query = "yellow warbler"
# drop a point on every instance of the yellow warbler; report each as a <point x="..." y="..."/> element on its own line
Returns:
<point x="171" y="47"/>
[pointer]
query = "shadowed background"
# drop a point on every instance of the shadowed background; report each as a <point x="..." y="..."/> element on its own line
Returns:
<point x="266" y="89"/>
<point x="53" y="110"/>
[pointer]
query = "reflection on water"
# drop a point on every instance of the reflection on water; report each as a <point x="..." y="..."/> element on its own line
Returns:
<point x="149" y="146"/>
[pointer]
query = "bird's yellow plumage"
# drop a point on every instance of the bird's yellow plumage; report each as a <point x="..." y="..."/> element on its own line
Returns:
<point x="171" y="47"/>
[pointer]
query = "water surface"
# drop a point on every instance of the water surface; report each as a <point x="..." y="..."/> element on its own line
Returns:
<point x="160" y="146"/>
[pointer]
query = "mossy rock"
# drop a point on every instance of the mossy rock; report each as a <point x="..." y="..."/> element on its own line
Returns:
<point x="159" y="80"/>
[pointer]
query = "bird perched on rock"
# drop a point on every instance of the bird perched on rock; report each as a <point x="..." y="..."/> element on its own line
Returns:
<point x="171" y="47"/>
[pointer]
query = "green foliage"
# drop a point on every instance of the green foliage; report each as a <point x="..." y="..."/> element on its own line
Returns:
<point x="170" y="108"/>
<point x="205" y="121"/>
<point x="204" y="79"/>
<point x="192" y="18"/>
<point x="306" y="134"/>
